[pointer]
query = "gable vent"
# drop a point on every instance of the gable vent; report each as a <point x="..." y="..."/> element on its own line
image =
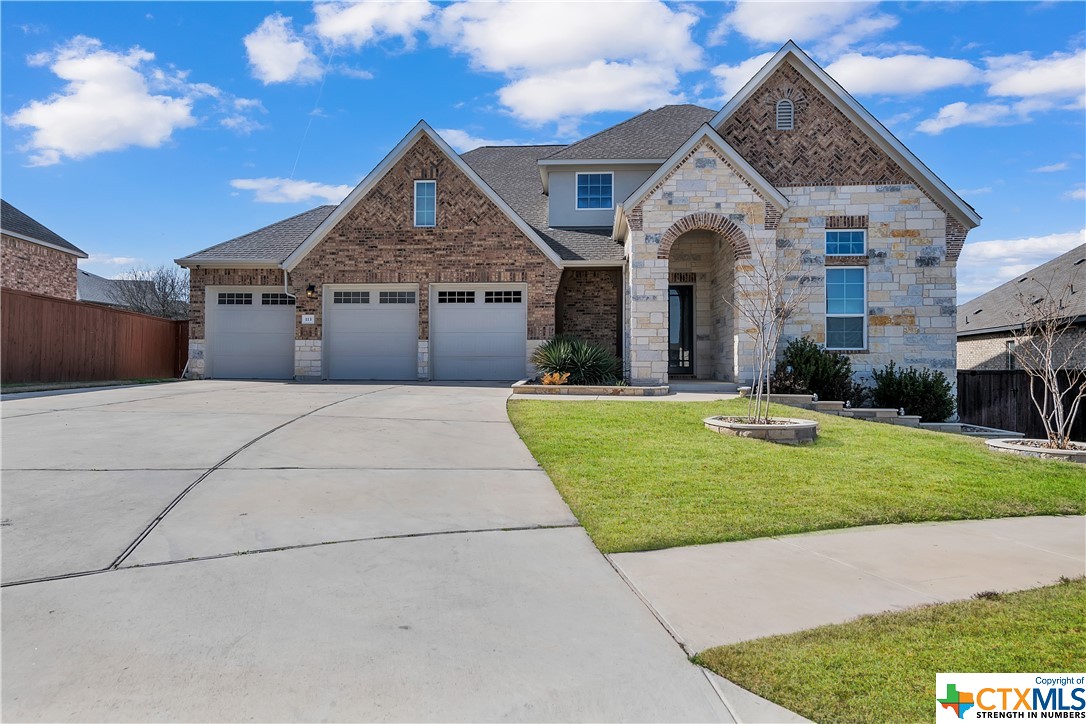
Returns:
<point x="786" y="115"/>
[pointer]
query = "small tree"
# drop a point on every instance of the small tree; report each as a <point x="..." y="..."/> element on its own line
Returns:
<point x="774" y="289"/>
<point x="1049" y="347"/>
<point x="163" y="292"/>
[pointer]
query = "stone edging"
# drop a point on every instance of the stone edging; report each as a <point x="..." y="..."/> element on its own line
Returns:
<point x="1006" y="445"/>
<point x="799" y="432"/>
<point x="525" y="388"/>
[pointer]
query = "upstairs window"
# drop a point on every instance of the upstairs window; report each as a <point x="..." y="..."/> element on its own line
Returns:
<point x="846" y="243"/>
<point x="594" y="190"/>
<point x="426" y="203"/>
<point x="786" y="115"/>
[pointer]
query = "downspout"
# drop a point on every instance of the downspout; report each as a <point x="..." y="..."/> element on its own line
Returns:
<point x="285" y="289"/>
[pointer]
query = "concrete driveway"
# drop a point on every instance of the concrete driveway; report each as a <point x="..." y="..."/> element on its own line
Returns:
<point x="260" y="551"/>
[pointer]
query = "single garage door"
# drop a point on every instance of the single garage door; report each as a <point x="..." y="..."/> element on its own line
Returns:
<point x="371" y="332"/>
<point x="478" y="332"/>
<point x="250" y="334"/>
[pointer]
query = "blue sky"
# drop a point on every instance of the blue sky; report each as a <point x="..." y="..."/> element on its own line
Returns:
<point x="145" y="131"/>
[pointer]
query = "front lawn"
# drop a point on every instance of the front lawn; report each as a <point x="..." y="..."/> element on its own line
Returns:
<point x="646" y="475"/>
<point x="882" y="668"/>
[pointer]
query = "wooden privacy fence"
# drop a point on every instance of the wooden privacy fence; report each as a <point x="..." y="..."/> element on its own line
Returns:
<point x="43" y="339"/>
<point x="1000" y="398"/>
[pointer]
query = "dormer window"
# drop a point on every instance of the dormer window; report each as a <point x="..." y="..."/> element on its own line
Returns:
<point x="786" y="115"/>
<point x="595" y="191"/>
<point x="426" y="203"/>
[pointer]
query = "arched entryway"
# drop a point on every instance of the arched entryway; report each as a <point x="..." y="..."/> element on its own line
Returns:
<point x="701" y="250"/>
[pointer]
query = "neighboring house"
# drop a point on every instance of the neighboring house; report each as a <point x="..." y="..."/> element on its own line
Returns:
<point x="35" y="259"/>
<point x="985" y="341"/>
<point x="445" y="266"/>
<point x="99" y="290"/>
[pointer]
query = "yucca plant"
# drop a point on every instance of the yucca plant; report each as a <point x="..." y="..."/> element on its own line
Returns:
<point x="586" y="363"/>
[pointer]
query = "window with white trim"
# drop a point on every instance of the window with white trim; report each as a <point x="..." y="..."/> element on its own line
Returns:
<point x="426" y="203"/>
<point x="846" y="307"/>
<point x="235" y="298"/>
<point x="846" y="242"/>
<point x="455" y="297"/>
<point x="786" y="115"/>
<point x="502" y="297"/>
<point x="595" y="190"/>
<point x="396" y="297"/>
<point x="350" y="297"/>
<point x="277" y="299"/>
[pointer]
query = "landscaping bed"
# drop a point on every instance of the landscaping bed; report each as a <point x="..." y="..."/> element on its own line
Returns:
<point x="649" y="476"/>
<point x="882" y="668"/>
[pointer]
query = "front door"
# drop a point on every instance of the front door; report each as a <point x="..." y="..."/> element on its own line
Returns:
<point x="680" y="347"/>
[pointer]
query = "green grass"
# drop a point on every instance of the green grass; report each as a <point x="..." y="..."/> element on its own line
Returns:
<point x="882" y="668"/>
<point x="647" y="475"/>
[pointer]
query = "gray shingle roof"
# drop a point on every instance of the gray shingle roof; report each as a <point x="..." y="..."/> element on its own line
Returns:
<point x="274" y="242"/>
<point x="654" y="134"/>
<point x="16" y="222"/>
<point x="93" y="288"/>
<point x="999" y="309"/>
<point x="513" y="173"/>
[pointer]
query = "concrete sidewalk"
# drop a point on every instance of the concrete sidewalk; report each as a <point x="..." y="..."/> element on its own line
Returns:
<point x="722" y="593"/>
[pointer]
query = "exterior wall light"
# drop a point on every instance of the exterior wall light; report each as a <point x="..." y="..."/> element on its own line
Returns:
<point x="311" y="291"/>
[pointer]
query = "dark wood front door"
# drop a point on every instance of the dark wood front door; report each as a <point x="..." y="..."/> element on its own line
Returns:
<point x="680" y="320"/>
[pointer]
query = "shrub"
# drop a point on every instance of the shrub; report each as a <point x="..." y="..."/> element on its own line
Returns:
<point x="808" y="367"/>
<point x="920" y="392"/>
<point x="586" y="363"/>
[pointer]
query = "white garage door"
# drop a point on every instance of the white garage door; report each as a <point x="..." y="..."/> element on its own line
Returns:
<point x="250" y="334"/>
<point x="478" y="332"/>
<point x="371" y="332"/>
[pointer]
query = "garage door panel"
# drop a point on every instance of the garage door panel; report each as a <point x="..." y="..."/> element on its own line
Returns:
<point x="372" y="340"/>
<point x="477" y="339"/>
<point x="250" y="340"/>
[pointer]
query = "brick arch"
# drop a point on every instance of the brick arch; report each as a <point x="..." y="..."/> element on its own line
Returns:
<point x="706" y="221"/>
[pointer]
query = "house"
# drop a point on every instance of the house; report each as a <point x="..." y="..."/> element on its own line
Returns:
<point x="445" y="266"/>
<point x="34" y="258"/>
<point x="985" y="324"/>
<point x="99" y="290"/>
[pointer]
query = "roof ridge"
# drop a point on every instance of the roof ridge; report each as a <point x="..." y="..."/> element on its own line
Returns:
<point x="1055" y="262"/>
<point x="610" y="128"/>
<point x="262" y="228"/>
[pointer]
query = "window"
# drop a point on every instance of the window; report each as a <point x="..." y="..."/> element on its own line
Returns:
<point x="426" y="203"/>
<point x="396" y="297"/>
<point x="846" y="243"/>
<point x="846" y="304"/>
<point x="456" y="297"/>
<point x="786" y="115"/>
<point x="509" y="297"/>
<point x="594" y="190"/>
<point x="350" y="297"/>
<point x="283" y="299"/>
<point x="235" y="298"/>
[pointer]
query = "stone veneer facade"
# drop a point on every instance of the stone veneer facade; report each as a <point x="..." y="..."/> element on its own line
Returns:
<point x="38" y="269"/>
<point x="377" y="243"/>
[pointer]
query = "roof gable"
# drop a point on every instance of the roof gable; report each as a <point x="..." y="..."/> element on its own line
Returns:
<point x="15" y="223"/>
<point x="791" y="56"/>
<point x="422" y="129"/>
<point x="734" y="161"/>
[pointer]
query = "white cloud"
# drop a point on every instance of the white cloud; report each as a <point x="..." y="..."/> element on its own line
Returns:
<point x="290" y="191"/>
<point x="278" y="55"/>
<point x="1076" y="194"/>
<point x="464" y="141"/>
<point x="112" y="260"/>
<point x="900" y="74"/>
<point x="984" y="265"/>
<point x="359" y="23"/>
<point x="967" y="114"/>
<point x="356" y="73"/>
<point x="975" y="192"/>
<point x="1060" y="74"/>
<point x="1051" y="168"/>
<point x="599" y="86"/>
<point x="107" y="103"/>
<point x="730" y="78"/>
<point x="833" y="25"/>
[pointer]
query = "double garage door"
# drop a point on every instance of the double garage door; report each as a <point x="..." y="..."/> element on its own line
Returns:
<point x="477" y="332"/>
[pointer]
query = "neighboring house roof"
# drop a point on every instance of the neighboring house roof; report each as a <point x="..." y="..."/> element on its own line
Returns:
<point x="831" y="89"/>
<point x="511" y="172"/>
<point x="1000" y="309"/>
<point x="422" y="128"/>
<point x="15" y="223"/>
<point x="269" y="245"/>
<point x="652" y="135"/>
<point x="93" y="288"/>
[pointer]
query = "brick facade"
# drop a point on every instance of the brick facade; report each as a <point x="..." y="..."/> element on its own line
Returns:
<point x="35" y="268"/>
<point x="590" y="306"/>
<point x="990" y="352"/>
